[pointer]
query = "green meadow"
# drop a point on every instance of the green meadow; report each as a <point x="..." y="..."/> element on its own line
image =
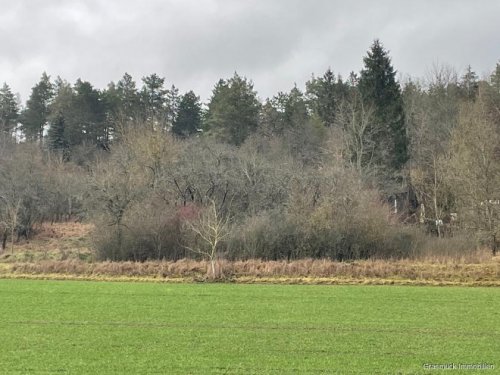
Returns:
<point x="58" y="327"/>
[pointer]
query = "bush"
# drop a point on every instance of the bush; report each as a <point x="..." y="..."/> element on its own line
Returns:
<point x="151" y="230"/>
<point x="267" y="236"/>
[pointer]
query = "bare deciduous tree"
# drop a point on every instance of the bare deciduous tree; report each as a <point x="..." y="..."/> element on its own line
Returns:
<point x="10" y="219"/>
<point x="475" y="171"/>
<point x="211" y="228"/>
<point x="117" y="184"/>
<point x="356" y="119"/>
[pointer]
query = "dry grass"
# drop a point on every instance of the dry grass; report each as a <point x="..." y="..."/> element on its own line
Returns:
<point x="430" y="271"/>
<point x="62" y="250"/>
<point x="64" y="230"/>
<point x="58" y="241"/>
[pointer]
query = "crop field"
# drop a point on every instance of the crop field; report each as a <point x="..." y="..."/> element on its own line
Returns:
<point x="55" y="327"/>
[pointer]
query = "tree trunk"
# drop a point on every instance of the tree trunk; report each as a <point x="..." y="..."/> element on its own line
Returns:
<point x="70" y="208"/>
<point x="12" y="240"/>
<point x="436" y="215"/>
<point x="212" y="263"/>
<point x="120" y="240"/>
<point x="4" y="240"/>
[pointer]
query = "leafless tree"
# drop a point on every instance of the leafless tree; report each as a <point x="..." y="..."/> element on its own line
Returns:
<point x="475" y="171"/>
<point x="355" y="118"/>
<point x="211" y="229"/>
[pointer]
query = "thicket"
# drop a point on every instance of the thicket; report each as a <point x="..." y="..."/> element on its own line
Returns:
<point x="311" y="174"/>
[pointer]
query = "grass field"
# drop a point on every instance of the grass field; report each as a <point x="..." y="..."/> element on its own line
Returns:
<point x="142" y="328"/>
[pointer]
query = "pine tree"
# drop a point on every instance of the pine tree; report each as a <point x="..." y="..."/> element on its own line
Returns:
<point x="128" y="97"/>
<point x="296" y="113"/>
<point x="83" y="111"/>
<point x="88" y="114"/>
<point x="188" y="120"/>
<point x="379" y="88"/>
<point x="469" y="84"/>
<point x="172" y="106"/>
<point x="62" y="108"/>
<point x="121" y="104"/>
<point x="270" y="119"/>
<point x="153" y="99"/>
<point x="233" y="111"/>
<point x="495" y="78"/>
<point x="34" y="117"/>
<point x="323" y="94"/>
<point x="9" y="111"/>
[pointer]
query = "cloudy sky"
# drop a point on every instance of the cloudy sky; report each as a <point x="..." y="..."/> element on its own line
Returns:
<point x="193" y="43"/>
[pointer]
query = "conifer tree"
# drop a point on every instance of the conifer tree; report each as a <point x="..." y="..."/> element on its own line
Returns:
<point x="469" y="84"/>
<point x="57" y="134"/>
<point x="9" y="111"/>
<point x="153" y="99"/>
<point x="35" y="116"/>
<point x="233" y="111"/>
<point x="324" y="94"/>
<point x="128" y="97"/>
<point x="188" y="119"/>
<point x="172" y="104"/>
<point x="379" y="87"/>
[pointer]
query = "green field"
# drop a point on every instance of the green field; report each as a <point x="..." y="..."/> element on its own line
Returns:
<point x="142" y="328"/>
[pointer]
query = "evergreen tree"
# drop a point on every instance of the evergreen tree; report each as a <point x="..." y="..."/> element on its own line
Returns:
<point x="62" y="110"/>
<point x="188" y="120"/>
<point x="88" y="115"/>
<point x="495" y="78"/>
<point x="57" y="134"/>
<point x="111" y="106"/>
<point x="379" y="88"/>
<point x="284" y="111"/>
<point x="128" y="97"/>
<point x="35" y="116"/>
<point x="9" y="111"/>
<point x="121" y="104"/>
<point x="82" y="110"/>
<point x="270" y="119"/>
<point x="233" y="111"/>
<point x="153" y="99"/>
<point x="295" y="109"/>
<point x="323" y="94"/>
<point x="469" y="84"/>
<point x="172" y="106"/>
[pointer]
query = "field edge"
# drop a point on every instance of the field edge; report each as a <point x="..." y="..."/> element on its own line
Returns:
<point x="280" y="280"/>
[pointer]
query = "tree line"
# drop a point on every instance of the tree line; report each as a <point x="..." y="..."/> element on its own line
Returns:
<point x="306" y="173"/>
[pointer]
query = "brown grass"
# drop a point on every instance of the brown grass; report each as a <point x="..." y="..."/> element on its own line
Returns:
<point x="63" y="251"/>
<point x="57" y="241"/>
<point x="435" y="272"/>
<point x="64" y="230"/>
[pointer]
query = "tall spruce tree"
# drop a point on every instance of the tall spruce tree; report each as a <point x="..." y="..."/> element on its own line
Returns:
<point x="379" y="87"/>
<point x="188" y="119"/>
<point x="9" y="111"/>
<point x="35" y="116"/>
<point x="233" y="111"/>
<point x="172" y="104"/>
<point x="57" y="134"/>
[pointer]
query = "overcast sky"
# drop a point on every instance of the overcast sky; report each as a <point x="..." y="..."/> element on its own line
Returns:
<point x="275" y="43"/>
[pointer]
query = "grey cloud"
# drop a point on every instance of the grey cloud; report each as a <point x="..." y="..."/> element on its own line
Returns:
<point x="193" y="43"/>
